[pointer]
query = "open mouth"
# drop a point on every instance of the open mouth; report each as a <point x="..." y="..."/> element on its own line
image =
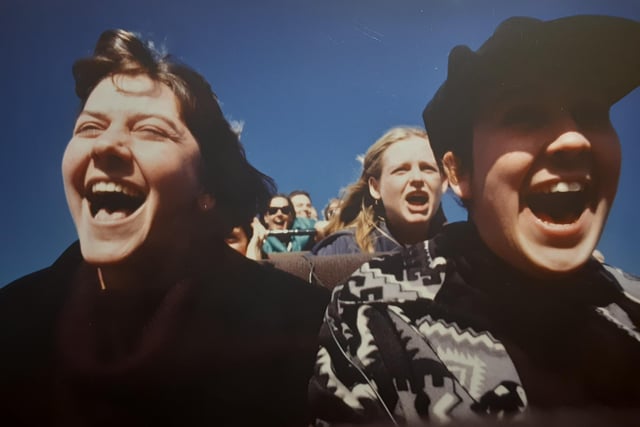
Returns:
<point x="417" y="199"/>
<point x="559" y="203"/>
<point x="280" y="224"/>
<point x="109" y="201"/>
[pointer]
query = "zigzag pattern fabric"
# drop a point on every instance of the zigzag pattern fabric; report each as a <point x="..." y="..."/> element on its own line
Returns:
<point x="445" y="331"/>
<point x="387" y="354"/>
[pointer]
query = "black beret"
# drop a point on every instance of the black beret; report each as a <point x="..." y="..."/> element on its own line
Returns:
<point x="599" y="54"/>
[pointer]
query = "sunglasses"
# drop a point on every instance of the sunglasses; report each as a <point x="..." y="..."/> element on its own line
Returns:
<point x="286" y="210"/>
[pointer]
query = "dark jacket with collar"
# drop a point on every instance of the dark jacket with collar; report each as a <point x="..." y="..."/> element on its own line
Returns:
<point x="445" y="330"/>
<point x="344" y="242"/>
<point x="232" y="344"/>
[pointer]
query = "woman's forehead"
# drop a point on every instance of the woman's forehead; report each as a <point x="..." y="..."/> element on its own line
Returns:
<point x="408" y="149"/>
<point x="279" y="201"/>
<point x="138" y="91"/>
<point x="550" y="94"/>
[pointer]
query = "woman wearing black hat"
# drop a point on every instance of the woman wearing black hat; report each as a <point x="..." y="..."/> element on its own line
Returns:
<point x="507" y="312"/>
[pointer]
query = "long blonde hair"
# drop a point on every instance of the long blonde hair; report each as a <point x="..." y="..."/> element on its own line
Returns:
<point x="359" y="210"/>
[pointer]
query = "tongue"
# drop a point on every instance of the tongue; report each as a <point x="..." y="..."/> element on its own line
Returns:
<point x="105" y="215"/>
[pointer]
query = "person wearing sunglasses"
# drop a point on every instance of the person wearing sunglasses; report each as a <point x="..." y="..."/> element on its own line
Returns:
<point x="280" y="216"/>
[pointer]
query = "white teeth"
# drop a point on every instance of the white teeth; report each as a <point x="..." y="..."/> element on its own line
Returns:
<point x="565" y="187"/>
<point x="112" y="187"/>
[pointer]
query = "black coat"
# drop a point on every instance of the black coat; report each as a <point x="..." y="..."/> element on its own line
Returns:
<point x="234" y="344"/>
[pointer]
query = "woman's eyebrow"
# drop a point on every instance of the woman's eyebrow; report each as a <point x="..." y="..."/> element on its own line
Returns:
<point x="96" y="114"/>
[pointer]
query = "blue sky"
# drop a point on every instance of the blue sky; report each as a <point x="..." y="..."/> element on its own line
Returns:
<point x="314" y="83"/>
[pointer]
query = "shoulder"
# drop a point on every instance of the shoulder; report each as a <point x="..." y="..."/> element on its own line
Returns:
<point x="38" y="286"/>
<point x="630" y="284"/>
<point x="453" y="239"/>
<point x="29" y="308"/>
<point x="340" y="242"/>
<point x="284" y="285"/>
<point x="383" y="242"/>
<point x="263" y="290"/>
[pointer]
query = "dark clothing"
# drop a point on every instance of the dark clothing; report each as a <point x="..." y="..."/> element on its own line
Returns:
<point x="446" y="330"/>
<point x="231" y="344"/>
<point x="344" y="242"/>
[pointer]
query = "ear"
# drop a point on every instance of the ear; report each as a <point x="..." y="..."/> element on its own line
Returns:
<point x="459" y="182"/>
<point x="445" y="184"/>
<point x="206" y="202"/>
<point x="374" y="188"/>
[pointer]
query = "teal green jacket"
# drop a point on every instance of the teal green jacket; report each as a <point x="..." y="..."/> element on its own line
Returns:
<point x="294" y="243"/>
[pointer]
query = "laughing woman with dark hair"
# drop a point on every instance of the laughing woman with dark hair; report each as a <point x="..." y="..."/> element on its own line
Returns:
<point x="151" y="319"/>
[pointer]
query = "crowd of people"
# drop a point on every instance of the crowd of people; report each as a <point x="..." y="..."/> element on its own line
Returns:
<point x="395" y="202"/>
<point x="152" y="317"/>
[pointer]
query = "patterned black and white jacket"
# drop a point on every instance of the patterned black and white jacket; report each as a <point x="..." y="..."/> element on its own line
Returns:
<point x="445" y="331"/>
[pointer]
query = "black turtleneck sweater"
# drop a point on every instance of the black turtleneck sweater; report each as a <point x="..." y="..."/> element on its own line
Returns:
<point x="233" y="343"/>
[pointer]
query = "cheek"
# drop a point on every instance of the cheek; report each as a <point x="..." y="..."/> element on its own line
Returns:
<point x="494" y="194"/>
<point x="435" y="184"/>
<point x="502" y="176"/>
<point x="74" y="165"/>
<point x="608" y="158"/>
<point x="177" y="176"/>
<point x="390" y="188"/>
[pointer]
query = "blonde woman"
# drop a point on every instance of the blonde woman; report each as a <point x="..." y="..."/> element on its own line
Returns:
<point x="395" y="202"/>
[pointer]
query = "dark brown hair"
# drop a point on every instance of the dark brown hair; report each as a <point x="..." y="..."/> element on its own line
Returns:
<point x="240" y="190"/>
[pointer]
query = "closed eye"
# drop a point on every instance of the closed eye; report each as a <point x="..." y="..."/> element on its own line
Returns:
<point x="592" y="116"/>
<point x="88" y="130"/>
<point x="400" y="169"/>
<point x="428" y="168"/>
<point x="152" y="132"/>
<point x="154" y="127"/>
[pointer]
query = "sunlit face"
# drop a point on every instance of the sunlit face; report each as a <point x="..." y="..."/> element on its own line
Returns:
<point x="238" y="240"/>
<point x="279" y="214"/>
<point x="302" y="206"/>
<point x="131" y="172"/>
<point x="410" y="188"/>
<point x="545" y="173"/>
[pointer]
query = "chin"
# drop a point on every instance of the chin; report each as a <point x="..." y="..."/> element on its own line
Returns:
<point x="103" y="253"/>
<point x="548" y="249"/>
<point x="417" y="218"/>
<point x="549" y="261"/>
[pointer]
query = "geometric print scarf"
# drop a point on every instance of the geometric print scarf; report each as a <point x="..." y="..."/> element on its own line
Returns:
<point x="408" y="339"/>
<point x="388" y="352"/>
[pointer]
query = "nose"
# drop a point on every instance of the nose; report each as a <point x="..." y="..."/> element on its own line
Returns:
<point x="571" y="148"/>
<point x="416" y="177"/>
<point x="112" y="147"/>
